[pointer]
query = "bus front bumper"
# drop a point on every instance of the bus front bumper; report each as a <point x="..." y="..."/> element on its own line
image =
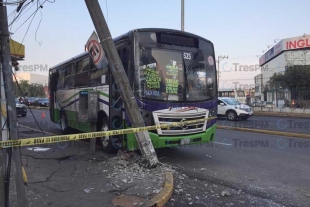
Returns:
<point x="173" y="141"/>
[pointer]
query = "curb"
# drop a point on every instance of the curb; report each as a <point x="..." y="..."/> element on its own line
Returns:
<point x="261" y="131"/>
<point x="280" y="114"/>
<point x="158" y="200"/>
<point x="163" y="197"/>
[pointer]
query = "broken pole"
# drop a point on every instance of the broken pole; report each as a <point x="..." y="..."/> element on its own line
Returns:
<point x="119" y="74"/>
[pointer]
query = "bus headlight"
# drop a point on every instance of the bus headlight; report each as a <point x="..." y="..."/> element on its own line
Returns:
<point x="212" y="114"/>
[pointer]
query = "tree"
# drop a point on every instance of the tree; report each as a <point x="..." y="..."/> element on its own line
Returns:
<point x="32" y="90"/>
<point x="295" y="78"/>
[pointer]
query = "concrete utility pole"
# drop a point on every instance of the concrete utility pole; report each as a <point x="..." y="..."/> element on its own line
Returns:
<point x="219" y="58"/>
<point x="119" y="74"/>
<point x="182" y="15"/>
<point x="2" y="160"/>
<point x="10" y="104"/>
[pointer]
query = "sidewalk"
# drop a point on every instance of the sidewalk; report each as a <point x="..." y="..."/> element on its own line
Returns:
<point x="67" y="174"/>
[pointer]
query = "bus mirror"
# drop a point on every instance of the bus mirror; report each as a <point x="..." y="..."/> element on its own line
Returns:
<point x="88" y="106"/>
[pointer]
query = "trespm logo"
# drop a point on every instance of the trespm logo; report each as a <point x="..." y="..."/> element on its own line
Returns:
<point x="33" y="68"/>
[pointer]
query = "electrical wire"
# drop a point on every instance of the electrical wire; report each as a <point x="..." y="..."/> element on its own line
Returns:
<point x="30" y="16"/>
<point x="25" y="11"/>
<point x="38" y="28"/>
<point x="20" y="12"/>
<point x="27" y="105"/>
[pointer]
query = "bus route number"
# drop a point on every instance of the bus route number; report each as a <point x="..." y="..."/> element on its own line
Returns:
<point x="187" y="56"/>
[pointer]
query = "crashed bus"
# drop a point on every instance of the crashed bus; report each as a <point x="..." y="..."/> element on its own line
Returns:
<point x="173" y="78"/>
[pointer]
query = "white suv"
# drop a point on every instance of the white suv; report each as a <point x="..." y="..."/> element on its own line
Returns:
<point x="233" y="109"/>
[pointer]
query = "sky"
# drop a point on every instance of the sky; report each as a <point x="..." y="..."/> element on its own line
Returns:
<point x="239" y="29"/>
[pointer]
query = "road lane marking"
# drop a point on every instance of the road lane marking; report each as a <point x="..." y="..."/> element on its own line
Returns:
<point x="36" y="129"/>
<point x="222" y="143"/>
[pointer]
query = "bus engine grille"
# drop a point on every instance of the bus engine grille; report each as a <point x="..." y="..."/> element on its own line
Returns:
<point x="165" y="118"/>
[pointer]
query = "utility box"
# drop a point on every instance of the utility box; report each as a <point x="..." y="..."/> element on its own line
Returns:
<point x="88" y="106"/>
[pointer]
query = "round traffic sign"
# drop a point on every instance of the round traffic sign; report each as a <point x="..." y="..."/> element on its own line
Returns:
<point x="95" y="48"/>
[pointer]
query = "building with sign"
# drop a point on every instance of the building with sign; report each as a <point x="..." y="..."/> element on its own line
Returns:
<point x="293" y="51"/>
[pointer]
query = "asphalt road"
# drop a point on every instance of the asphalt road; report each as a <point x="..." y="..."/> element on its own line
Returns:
<point x="270" y="170"/>
<point x="39" y="121"/>
<point x="295" y="125"/>
<point x="256" y="169"/>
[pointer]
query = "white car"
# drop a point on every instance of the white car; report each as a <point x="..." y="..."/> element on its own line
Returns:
<point x="233" y="109"/>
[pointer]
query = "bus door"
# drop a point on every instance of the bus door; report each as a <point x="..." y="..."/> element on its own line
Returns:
<point x="116" y="102"/>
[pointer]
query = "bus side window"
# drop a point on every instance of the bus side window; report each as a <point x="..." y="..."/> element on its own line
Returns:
<point x="98" y="76"/>
<point x="70" y="76"/>
<point x="61" y="79"/>
<point x="82" y="73"/>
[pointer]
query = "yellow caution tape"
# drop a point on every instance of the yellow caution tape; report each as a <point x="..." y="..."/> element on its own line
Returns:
<point x="74" y="137"/>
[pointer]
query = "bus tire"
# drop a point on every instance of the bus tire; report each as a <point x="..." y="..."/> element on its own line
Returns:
<point x="65" y="129"/>
<point x="231" y="115"/>
<point x="106" y="141"/>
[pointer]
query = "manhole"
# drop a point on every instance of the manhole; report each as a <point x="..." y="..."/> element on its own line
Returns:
<point x="129" y="201"/>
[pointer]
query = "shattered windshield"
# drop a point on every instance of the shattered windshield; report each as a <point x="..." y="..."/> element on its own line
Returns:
<point x="172" y="75"/>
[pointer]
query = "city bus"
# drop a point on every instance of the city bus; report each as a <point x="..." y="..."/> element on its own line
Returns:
<point x="173" y="78"/>
<point x="237" y="94"/>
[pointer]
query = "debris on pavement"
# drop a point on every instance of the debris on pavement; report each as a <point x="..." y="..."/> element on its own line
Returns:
<point x="88" y="190"/>
<point x="225" y="193"/>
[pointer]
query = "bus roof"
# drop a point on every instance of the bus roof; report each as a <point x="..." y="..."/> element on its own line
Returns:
<point x="75" y="57"/>
<point x="127" y="34"/>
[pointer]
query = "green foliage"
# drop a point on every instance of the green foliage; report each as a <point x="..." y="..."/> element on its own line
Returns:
<point x="29" y="89"/>
<point x="296" y="78"/>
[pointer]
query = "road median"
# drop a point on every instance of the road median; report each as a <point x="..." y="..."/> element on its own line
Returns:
<point x="262" y="131"/>
<point x="280" y="114"/>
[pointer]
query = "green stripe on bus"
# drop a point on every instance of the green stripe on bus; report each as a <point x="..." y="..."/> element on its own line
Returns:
<point x="100" y="92"/>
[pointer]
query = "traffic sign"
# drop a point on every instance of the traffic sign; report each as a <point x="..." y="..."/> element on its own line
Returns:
<point x="95" y="49"/>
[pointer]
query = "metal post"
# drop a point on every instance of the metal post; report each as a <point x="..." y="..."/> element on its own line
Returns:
<point x="122" y="82"/>
<point x="182" y="15"/>
<point x="10" y="105"/>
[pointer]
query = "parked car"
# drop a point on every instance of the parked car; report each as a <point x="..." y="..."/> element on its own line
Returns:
<point x="21" y="109"/>
<point x="32" y="101"/>
<point x="233" y="109"/>
<point x="43" y="102"/>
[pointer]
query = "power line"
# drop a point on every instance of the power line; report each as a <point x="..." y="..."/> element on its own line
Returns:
<point x="25" y="11"/>
<point x="41" y="6"/>
<point x="19" y="10"/>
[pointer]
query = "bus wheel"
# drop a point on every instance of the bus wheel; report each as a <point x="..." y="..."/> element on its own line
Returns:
<point x="105" y="141"/>
<point x="64" y="124"/>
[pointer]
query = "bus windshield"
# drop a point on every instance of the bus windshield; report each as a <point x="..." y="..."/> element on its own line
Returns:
<point x="164" y="75"/>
